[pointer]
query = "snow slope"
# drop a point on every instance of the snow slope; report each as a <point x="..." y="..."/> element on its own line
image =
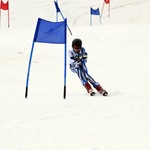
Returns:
<point x="118" y="53"/>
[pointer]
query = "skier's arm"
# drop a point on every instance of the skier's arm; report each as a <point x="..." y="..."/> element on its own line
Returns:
<point x="83" y="56"/>
<point x="73" y="61"/>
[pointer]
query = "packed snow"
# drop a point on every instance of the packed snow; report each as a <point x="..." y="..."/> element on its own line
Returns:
<point x="118" y="58"/>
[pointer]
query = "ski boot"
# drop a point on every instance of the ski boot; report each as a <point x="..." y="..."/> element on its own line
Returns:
<point x="89" y="89"/>
<point x="101" y="90"/>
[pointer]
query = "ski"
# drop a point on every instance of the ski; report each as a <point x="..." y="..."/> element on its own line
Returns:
<point x="103" y="94"/>
<point x="92" y="93"/>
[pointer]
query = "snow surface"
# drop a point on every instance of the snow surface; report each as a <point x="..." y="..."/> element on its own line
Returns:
<point x="119" y="59"/>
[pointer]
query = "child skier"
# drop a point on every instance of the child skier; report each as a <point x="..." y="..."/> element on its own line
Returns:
<point x="77" y="60"/>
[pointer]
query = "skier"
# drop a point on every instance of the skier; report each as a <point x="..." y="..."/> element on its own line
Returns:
<point x="77" y="62"/>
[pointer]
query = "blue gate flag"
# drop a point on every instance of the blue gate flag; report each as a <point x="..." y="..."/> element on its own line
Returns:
<point x="95" y="11"/>
<point x="50" y="32"/>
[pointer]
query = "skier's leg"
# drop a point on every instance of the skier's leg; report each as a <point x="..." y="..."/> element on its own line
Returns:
<point x="95" y="84"/>
<point x="83" y="79"/>
<point x="88" y="77"/>
<point x="101" y="90"/>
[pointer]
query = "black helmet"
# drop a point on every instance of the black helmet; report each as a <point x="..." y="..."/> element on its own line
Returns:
<point x="77" y="42"/>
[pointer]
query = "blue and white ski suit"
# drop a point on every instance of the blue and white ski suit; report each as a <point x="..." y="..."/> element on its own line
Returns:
<point x="77" y="62"/>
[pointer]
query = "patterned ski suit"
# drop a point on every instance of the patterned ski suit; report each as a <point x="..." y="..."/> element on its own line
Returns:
<point x="77" y="62"/>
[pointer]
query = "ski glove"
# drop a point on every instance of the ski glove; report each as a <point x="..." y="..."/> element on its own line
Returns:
<point x="76" y="58"/>
<point x="81" y="56"/>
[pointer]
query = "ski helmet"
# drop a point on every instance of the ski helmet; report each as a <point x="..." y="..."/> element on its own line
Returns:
<point x="77" y="42"/>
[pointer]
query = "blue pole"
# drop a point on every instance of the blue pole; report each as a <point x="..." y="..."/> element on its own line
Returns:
<point x="56" y="12"/>
<point x="30" y="59"/>
<point x="66" y="24"/>
<point x="65" y="60"/>
<point x="90" y="16"/>
<point x="28" y="73"/>
<point x="100" y="20"/>
<point x="90" y="20"/>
